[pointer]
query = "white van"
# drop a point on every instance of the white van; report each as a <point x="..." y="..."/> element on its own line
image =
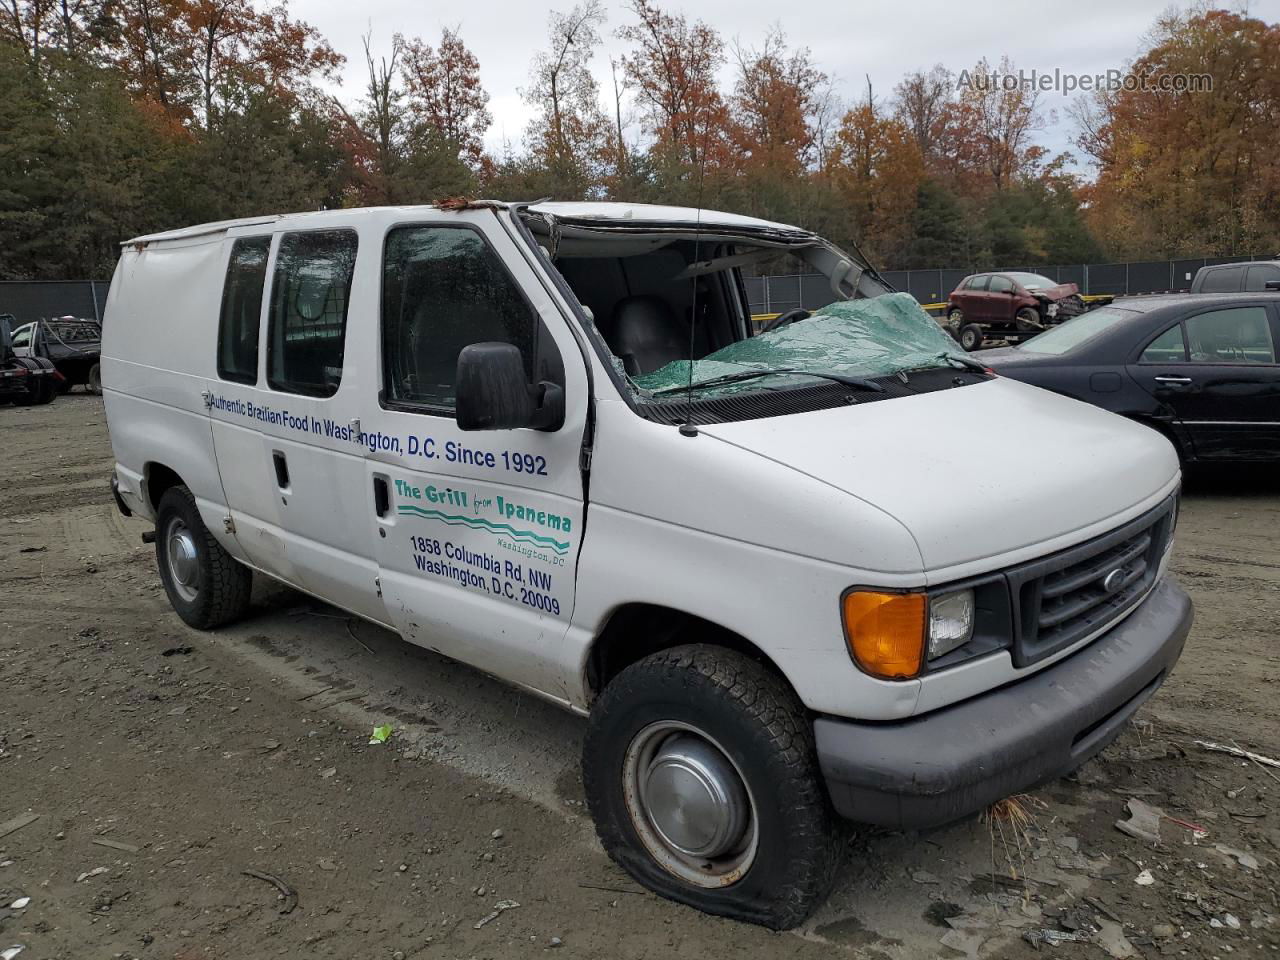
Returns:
<point x="785" y="582"/>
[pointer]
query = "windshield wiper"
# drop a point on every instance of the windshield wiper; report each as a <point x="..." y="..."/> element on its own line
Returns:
<point x="859" y="383"/>
<point x="966" y="362"/>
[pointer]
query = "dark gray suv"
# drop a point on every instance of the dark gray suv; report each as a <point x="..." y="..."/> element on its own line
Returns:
<point x="1253" y="277"/>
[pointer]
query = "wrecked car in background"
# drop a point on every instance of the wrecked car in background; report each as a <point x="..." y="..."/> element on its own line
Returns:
<point x="1010" y="306"/>
<point x="72" y="345"/>
<point x="24" y="381"/>
<point x="546" y="440"/>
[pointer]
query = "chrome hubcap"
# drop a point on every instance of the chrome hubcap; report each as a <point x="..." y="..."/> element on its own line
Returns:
<point x="689" y="804"/>
<point x="184" y="562"/>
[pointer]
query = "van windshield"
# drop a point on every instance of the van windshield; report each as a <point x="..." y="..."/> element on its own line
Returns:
<point x="864" y="338"/>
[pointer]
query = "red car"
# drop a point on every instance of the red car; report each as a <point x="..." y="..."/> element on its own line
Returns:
<point x="1016" y="303"/>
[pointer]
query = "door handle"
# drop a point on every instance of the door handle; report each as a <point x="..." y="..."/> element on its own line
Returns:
<point x="381" y="496"/>
<point x="282" y="469"/>
<point x="1181" y="380"/>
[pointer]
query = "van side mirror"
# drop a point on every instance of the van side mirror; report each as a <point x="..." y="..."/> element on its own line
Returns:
<point x="494" y="394"/>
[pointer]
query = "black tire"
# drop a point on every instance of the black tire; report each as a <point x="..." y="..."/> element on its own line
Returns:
<point x="46" y="391"/>
<point x="758" y="724"/>
<point x="971" y="337"/>
<point x="955" y="317"/>
<point x="1027" y="320"/>
<point x="216" y="589"/>
<point x="93" y="383"/>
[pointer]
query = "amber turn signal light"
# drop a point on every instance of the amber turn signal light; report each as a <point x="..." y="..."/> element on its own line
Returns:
<point x="886" y="632"/>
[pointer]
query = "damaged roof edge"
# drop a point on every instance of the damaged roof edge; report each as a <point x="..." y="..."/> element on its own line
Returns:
<point x="652" y="217"/>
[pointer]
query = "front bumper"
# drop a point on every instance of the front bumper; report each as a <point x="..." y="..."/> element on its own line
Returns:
<point x="955" y="761"/>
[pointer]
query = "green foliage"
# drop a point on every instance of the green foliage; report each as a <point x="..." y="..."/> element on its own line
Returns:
<point x="938" y="234"/>
<point x="114" y="122"/>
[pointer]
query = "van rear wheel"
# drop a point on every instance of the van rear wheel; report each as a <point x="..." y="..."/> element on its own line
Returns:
<point x="205" y="584"/>
<point x="701" y="775"/>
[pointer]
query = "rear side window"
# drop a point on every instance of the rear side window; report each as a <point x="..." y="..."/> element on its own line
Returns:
<point x="310" y="290"/>
<point x="1237" y="335"/>
<point x="1222" y="281"/>
<point x="1256" y="279"/>
<point x="443" y="289"/>
<point x="977" y="283"/>
<point x="1169" y="347"/>
<point x="242" y="309"/>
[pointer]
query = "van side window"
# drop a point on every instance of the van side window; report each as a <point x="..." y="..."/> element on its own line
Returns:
<point x="242" y="309"/>
<point x="443" y="289"/>
<point x="310" y="289"/>
<point x="1169" y="347"/>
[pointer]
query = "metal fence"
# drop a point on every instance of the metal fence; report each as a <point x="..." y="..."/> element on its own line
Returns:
<point x="44" y="299"/>
<point x="778" y="294"/>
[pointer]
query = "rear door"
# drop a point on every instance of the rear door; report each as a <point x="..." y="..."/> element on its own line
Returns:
<point x="478" y="532"/>
<point x="1218" y="373"/>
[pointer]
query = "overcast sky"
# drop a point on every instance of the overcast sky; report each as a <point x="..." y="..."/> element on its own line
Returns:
<point x="849" y="40"/>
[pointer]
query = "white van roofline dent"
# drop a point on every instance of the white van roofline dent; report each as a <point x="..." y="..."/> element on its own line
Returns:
<point x="603" y="214"/>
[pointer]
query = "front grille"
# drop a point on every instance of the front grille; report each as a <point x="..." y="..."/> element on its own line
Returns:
<point x="1061" y="599"/>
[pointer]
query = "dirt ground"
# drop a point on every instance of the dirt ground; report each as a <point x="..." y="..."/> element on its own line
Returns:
<point x="164" y="765"/>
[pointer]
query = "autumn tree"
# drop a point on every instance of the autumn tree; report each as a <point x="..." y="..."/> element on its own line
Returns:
<point x="570" y="131"/>
<point x="445" y="99"/>
<point x="994" y="122"/>
<point x="672" y="69"/>
<point x="1186" y="158"/>
<point x="925" y="102"/>
<point x="39" y="28"/>
<point x="186" y="55"/>
<point x="776" y="99"/>
<point x="878" y="170"/>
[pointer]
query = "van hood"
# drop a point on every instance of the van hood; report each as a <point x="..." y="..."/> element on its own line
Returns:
<point x="982" y="475"/>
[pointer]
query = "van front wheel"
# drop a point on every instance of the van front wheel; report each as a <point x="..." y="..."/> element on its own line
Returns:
<point x="701" y="775"/>
<point x="205" y="584"/>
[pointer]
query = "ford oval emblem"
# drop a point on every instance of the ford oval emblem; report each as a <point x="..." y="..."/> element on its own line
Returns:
<point x="1112" y="581"/>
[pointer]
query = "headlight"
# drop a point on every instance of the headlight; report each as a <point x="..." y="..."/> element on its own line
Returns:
<point x="950" y="622"/>
<point x="891" y="635"/>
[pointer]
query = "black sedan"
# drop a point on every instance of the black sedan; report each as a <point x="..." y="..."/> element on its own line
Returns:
<point x="1200" y="369"/>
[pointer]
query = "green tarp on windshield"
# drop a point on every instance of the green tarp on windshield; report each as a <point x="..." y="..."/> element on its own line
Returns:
<point x="865" y="338"/>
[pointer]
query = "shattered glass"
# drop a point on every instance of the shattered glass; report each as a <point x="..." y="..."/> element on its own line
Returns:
<point x="871" y="337"/>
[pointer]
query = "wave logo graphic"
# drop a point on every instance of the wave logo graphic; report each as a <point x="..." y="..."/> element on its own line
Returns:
<point x="479" y="523"/>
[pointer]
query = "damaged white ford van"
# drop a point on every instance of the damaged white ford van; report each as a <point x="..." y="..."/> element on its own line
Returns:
<point x="549" y="440"/>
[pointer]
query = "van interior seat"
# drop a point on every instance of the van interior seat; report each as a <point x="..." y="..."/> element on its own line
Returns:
<point x="645" y="334"/>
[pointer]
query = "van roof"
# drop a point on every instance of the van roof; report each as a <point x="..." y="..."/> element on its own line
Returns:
<point x="631" y="214"/>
